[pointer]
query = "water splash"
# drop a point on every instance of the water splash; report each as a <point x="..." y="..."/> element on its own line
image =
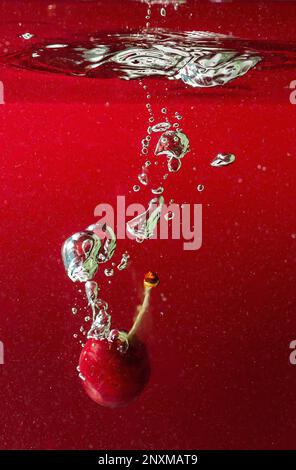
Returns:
<point x="198" y="58"/>
<point x="216" y="70"/>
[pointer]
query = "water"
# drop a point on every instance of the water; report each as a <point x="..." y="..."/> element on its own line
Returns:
<point x="84" y="251"/>
<point x="142" y="227"/>
<point x="100" y="327"/>
<point x="161" y="127"/>
<point x="172" y="144"/>
<point x="223" y="159"/>
<point x="92" y="291"/>
<point x="124" y="262"/>
<point x="80" y="133"/>
<point x="196" y="58"/>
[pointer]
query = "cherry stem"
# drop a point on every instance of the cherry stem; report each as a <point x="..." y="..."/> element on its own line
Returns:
<point x="142" y="309"/>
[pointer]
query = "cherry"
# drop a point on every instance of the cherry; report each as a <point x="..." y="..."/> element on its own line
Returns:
<point x="113" y="378"/>
<point x="116" y="369"/>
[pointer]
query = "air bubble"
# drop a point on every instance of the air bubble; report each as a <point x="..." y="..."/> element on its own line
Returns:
<point x="124" y="261"/>
<point x="174" y="165"/>
<point x="158" y="190"/>
<point x="161" y="127"/>
<point x="223" y="159"/>
<point x="27" y="36"/>
<point x="143" y="178"/>
<point x="109" y="272"/>
<point x="169" y="216"/>
<point x="119" y="339"/>
<point x="142" y="226"/>
<point x="84" y="251"/>
<point x="172" y="144"/>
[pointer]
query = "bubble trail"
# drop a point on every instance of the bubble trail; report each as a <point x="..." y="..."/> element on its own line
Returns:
<point x="197" y="58"/>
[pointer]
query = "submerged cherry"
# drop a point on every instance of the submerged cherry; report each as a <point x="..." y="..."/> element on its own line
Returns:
<point x="115" y="369"/>
<point x="110" y="377"/>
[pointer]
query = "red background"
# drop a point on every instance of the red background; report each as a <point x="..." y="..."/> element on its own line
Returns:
<point x="223" y="317"/>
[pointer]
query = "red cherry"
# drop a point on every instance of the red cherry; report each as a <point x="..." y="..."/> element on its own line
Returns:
<point x="111" y="377"/>
<point x="116" y="369"/>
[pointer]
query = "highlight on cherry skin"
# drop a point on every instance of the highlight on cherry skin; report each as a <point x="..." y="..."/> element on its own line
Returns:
<point x="115" y="370"/>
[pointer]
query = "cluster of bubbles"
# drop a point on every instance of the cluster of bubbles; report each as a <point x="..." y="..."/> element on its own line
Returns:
<point x="83" y="252"/>
<point x="172" y="143"/>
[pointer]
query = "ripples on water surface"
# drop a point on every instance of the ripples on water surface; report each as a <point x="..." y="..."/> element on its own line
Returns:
<point x="197" y="58"/>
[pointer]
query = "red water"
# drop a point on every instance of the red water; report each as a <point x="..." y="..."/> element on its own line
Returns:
<point x="223" y="317"/>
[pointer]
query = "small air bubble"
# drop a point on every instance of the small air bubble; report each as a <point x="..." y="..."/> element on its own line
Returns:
<point x="143" y="178"/>
<point x="169" y="216"/>
<point x="109" y="272"/>
<point x="158" y="190"/>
